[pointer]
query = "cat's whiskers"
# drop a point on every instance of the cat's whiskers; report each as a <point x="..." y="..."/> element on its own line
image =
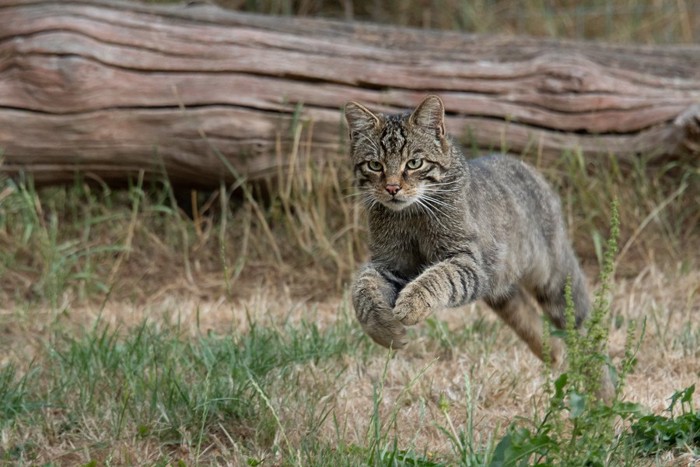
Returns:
<point x="365" y="198"/>
<point x="447" y="187"/>
<point x="436" y="202"/>
<point x="445" y="183"/>
<point x="434" y="212"/>
<point x="429" y="209"/>
<point x="370" y="203"/>
<point x="434" y="207"/>
<point x="355" y="194"/>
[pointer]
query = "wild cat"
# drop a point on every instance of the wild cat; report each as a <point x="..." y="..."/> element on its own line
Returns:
<point x="446" y="231"/>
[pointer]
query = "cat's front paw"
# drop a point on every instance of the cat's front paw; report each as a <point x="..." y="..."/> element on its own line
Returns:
<point x="413" y="305"/>
<point x="385" y="330"/>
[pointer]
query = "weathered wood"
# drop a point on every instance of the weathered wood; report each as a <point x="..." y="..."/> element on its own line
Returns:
<point x="111" y="88"/>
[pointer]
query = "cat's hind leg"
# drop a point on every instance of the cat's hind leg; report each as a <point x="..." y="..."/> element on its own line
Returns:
<point x="519" y="313"/>
<point x="373" y="296"/>
<point x="551" y="296"/>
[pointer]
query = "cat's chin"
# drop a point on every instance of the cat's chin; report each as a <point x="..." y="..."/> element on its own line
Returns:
<point x="398" y="204"/>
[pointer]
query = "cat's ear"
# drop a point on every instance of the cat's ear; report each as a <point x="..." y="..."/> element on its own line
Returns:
<point x="359" y="119"/>
<point x="430" y="114"/>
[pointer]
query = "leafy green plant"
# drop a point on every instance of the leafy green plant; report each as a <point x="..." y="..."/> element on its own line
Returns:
<point x="652" y="434"/>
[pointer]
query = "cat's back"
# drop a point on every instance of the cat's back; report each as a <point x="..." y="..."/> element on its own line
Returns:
<point x="509" y="175"/>
<point x="507" y="168"/>
<point x="511" y="195"/>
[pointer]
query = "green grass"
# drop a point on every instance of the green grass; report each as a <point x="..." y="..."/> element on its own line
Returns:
<point x="152" y="384"/>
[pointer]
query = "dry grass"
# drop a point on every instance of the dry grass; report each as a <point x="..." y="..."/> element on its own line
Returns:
<point x="423" y="388"/>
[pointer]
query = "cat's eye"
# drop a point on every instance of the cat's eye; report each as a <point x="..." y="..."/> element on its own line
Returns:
<point x="414" y="164"/>
<point x="374" y="166"/>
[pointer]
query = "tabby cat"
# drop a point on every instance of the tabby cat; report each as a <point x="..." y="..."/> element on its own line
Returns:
<point x="446" y="231"/>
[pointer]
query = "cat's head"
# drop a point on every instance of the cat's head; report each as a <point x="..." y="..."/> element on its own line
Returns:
<point x="399" y="160"/>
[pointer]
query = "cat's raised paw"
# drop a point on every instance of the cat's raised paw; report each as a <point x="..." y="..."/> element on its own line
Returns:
<point x="384" y="328"/>
<point x="412" y="305"/>
<point x="390" y="334"/>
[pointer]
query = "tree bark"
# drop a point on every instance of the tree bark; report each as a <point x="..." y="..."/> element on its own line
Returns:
<point x="109" y="89"/>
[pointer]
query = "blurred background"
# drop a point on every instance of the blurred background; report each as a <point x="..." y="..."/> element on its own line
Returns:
<point x="625" y="21"/>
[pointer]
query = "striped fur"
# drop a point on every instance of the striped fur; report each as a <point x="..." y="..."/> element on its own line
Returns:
<point x="446" y="231"/>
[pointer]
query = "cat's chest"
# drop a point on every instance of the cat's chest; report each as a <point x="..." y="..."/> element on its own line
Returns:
<point x="407" y="249"/>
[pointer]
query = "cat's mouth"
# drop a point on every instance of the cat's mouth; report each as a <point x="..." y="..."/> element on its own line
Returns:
<point x="397" y="204"/>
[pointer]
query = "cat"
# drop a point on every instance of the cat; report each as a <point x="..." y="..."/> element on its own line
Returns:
<point x="445" y="231"/>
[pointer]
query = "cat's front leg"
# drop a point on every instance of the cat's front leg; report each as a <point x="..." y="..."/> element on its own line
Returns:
<point x="453" y="282"/>
<point x="373" y="297"/>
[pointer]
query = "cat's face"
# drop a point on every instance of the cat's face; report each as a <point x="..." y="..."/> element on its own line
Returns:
<point x="399" y="159"/>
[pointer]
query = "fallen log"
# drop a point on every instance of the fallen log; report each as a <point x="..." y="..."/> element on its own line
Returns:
<point x="113" y="88"/>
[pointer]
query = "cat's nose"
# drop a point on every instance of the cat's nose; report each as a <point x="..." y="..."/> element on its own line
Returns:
<point x="392" y="188"/>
